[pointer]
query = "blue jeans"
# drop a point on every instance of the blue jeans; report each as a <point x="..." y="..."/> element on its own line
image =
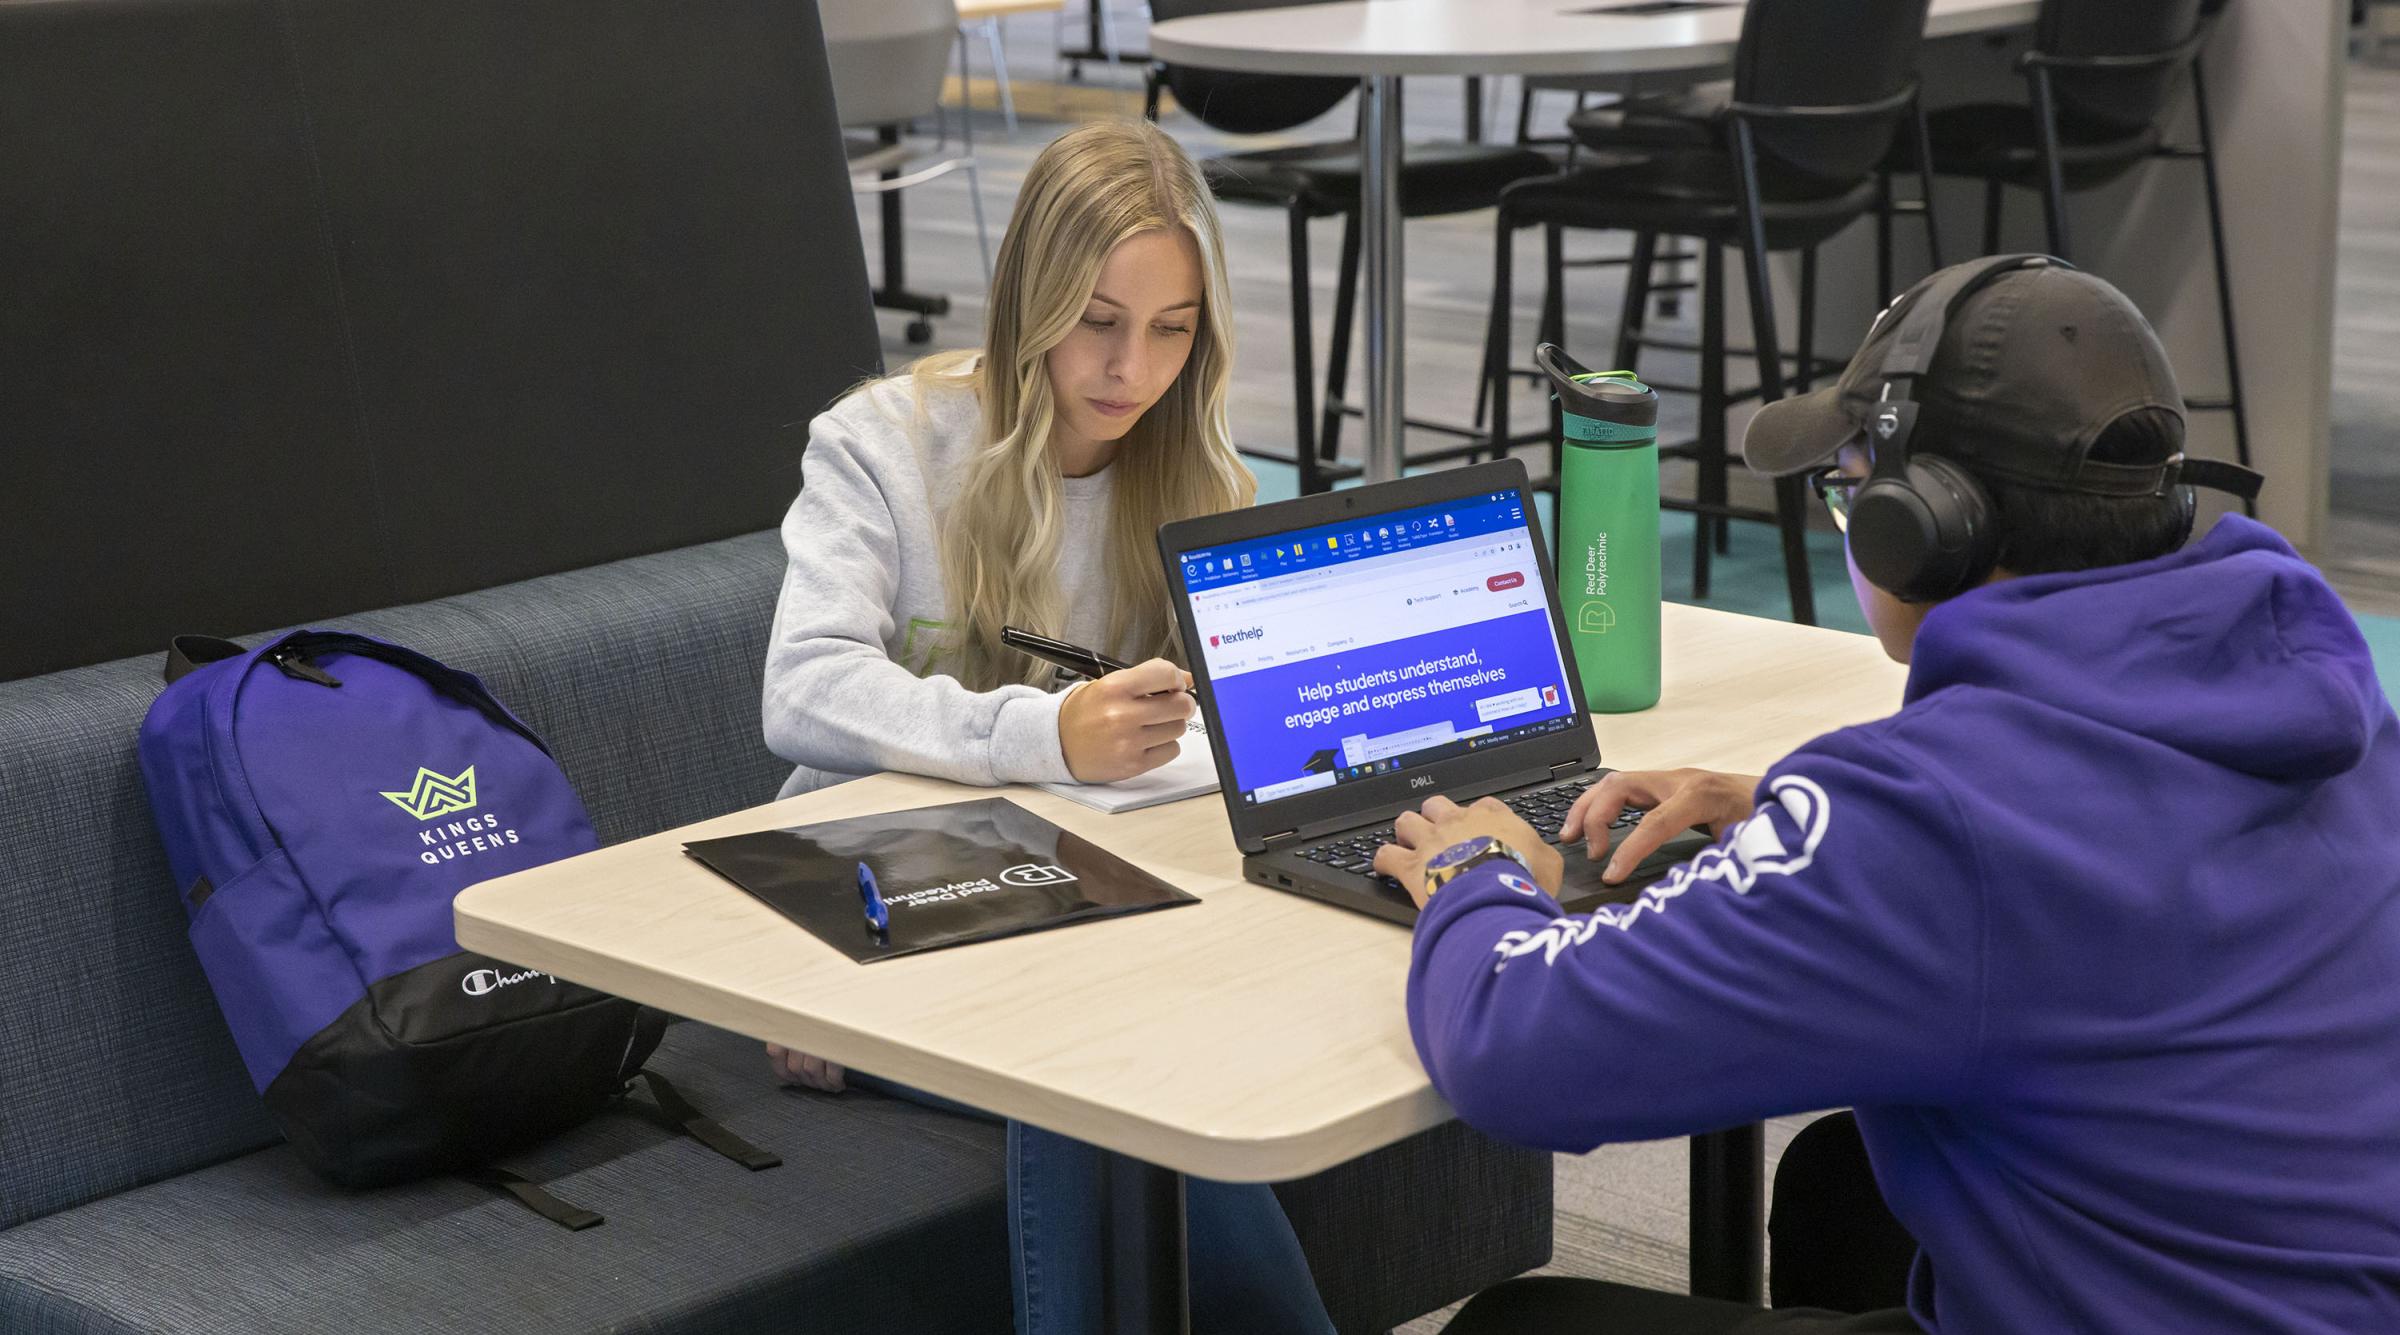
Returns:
<point x="1245" y="1265"/>
<point x="1247" y="1273"/>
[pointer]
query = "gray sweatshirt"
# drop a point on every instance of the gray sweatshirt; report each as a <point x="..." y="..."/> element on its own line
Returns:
<point x="855" y="681"/>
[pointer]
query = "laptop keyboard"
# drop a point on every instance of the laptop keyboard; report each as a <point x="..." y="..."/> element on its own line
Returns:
<point x="1545" y="809"/>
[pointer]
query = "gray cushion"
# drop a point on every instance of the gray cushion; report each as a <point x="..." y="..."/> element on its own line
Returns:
<point x="885" y="1216"/>
<point x="115" y="1066"/>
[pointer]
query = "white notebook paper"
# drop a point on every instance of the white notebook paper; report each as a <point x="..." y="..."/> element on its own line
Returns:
<point x="1188" y="775"/>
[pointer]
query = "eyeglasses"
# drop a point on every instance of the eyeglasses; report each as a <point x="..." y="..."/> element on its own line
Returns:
<point x="1836" y="488"/>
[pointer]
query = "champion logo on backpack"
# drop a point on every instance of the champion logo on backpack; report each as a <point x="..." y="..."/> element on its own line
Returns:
<point x="481" y="982"/>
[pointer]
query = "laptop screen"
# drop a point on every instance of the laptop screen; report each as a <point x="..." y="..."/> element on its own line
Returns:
<point x="1371" y="646"/>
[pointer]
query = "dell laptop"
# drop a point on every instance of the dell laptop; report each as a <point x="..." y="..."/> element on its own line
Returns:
<point x="1357" y="652"/>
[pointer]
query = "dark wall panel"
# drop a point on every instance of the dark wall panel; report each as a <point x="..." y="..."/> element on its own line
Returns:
<point x="321" y="305"/>
<point x="171" y="389"/>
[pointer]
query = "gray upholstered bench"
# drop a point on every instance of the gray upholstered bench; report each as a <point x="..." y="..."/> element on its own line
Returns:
<point x="142" y="1188"/>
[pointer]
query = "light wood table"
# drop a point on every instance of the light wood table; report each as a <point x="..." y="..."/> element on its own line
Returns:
<point x="1254" y="1037"/>
<point x="976" y="11"/>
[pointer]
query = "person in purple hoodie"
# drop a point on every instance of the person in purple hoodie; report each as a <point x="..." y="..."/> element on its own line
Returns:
<point x="2099" y="935"/>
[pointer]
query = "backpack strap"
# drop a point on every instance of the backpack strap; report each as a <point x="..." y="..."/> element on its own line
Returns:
<point x="186" y="653"/>
<point x="532" y="1196"/>
<point x="692" y="1122"/>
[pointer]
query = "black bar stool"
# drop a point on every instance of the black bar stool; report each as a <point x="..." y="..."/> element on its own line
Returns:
<point x="1695" y="117"/>
<point x="1820" y="90"/>
<point x="1311" y="181"/>
<point x="1661" y="119"/>
<point x="2100" y="83"/>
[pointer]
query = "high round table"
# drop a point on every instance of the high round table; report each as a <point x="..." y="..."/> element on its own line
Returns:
<point x="1381" y="41"/>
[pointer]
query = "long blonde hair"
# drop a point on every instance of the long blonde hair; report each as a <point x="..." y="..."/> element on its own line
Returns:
<point x="1091" y="189"/>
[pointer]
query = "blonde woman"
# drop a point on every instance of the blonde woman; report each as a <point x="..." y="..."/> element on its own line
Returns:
<point x="1023" y="484"/>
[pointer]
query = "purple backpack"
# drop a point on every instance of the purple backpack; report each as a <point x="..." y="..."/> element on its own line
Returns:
<point x="322" y="800"/>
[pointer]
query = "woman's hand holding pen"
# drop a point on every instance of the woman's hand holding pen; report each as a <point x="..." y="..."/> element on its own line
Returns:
<point x="1125" y="723"/>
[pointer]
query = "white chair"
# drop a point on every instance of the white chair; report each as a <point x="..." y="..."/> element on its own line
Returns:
<point x="888" y="59"/>
<point x="988" y="27"/>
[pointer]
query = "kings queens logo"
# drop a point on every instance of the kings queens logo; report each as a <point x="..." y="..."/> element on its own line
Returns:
<point x="436" y="795"/>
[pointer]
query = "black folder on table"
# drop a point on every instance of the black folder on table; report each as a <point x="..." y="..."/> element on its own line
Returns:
<point x="948" y="875"/>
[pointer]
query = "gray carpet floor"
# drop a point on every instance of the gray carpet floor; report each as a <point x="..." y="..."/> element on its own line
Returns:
<point x="2366" y="351"/>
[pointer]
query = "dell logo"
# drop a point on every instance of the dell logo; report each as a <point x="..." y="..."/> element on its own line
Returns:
<point x="1421" y="781"/>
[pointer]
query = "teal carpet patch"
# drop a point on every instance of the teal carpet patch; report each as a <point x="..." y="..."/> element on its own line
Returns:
<point x="2383" y="640"/>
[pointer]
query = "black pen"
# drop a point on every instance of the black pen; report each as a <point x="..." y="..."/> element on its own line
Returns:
<point x="1073" y="657"/>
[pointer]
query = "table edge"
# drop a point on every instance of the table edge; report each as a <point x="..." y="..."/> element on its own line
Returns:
<point x="1275" y="1158"/>
<point x="1166" y="44"/>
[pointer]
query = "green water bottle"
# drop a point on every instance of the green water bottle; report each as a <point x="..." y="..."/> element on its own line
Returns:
<point x="1608" y="530"/>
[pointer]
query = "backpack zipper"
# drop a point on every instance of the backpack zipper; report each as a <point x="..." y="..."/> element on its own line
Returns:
<point x="294" y="664"/>
<point x="293" y="660"/>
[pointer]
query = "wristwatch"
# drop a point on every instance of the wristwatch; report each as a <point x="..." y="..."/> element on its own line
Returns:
<point x="1452" y="862"/>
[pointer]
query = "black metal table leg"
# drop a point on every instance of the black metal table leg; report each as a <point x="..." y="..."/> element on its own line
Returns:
<point x="894" y="294"/>
<point x="1144" y="1286"/>
<point x="1091" y="50"/>
<point x="1729" y="1214"/>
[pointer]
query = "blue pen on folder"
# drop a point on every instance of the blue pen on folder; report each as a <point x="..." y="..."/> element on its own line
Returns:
<point x="879" y="914"/>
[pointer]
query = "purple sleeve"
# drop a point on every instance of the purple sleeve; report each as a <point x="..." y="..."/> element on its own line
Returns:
<point x="1825" y="952"/>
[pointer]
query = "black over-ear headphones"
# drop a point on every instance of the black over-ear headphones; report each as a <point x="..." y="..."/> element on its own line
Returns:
<point x="1921" y="526"/>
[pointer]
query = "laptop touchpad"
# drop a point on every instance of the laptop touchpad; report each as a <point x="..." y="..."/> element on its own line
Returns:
<point x="1581" y="889"/>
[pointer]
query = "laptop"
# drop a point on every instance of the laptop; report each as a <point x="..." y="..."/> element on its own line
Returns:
<point x="1357" y="652"/>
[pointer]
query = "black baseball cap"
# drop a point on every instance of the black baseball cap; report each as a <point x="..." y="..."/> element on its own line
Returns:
<point x="2033" y="363"/>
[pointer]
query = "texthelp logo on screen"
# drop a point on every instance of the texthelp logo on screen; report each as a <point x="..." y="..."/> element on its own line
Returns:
<point x="1237" y="636"/>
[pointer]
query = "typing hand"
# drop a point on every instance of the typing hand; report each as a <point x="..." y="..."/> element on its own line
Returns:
<point x="798" y="1068"/>
<point x="1676" y="799"/>
<point x="1126" y="723"/>
<point x="1442" y="823"/>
